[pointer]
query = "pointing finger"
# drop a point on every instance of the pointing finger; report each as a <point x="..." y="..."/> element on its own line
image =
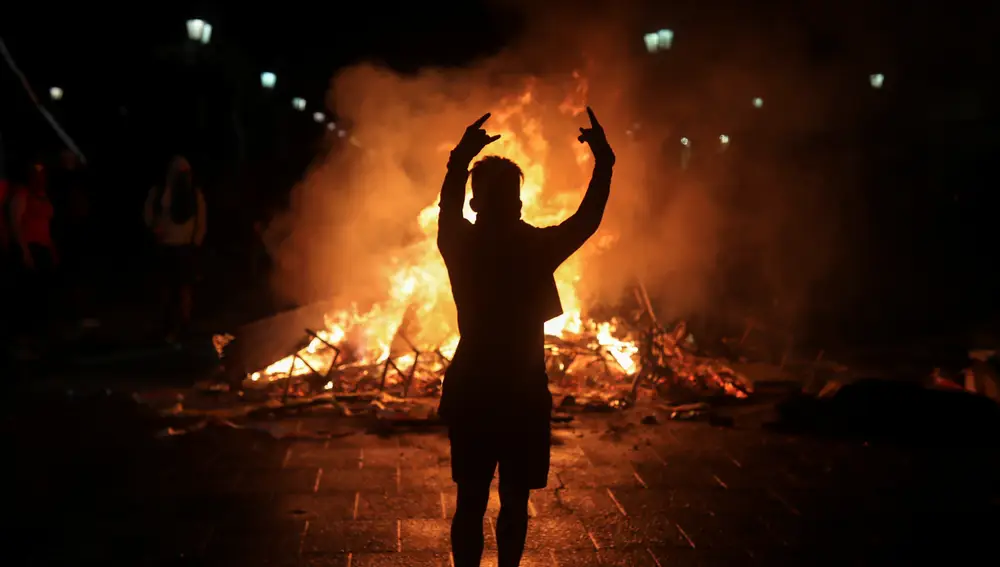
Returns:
<point x="593" y="118"/>
<point x="482" y="120"/>
<point x="492" y="139"/>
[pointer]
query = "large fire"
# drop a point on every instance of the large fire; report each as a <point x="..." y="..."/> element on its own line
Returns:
<point x="411" y="335"/>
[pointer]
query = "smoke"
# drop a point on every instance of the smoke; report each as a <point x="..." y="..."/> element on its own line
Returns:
<point x="683" y="231"/>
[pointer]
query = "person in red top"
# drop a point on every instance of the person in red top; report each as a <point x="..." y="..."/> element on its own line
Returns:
<point x="30" y="219"/>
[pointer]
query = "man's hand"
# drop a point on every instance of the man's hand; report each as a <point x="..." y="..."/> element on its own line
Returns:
<point x="598" y="142"/>
<point x="473" y="141"/>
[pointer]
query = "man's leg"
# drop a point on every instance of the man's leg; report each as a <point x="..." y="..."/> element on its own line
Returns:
<point x="473" y="463"/>
<point x="467" y="525"/>
<point x="512" y="523"/>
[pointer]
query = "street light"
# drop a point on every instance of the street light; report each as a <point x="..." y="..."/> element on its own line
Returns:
<point x="299" y="103"/>
<point x="876" y="80"/>
<point x="199" y="30"/>
<point x="319" y="116"/>
<point x="723" y="139"/>
<point x="758" y="102"/>
<point x="268" y="79"/>
<point x="55" y="93"/>
<point x="685" y="142"/>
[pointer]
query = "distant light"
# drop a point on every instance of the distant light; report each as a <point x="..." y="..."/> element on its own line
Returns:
<point x="319" y="116"/>
<point x="199" y="30"/>
<point x="195" y="28"/>
<point x="666" y="39"/>
<point x="658" y="41"/>
<point x="652" y="42"/>
<point x="206" y="34"/>
<point x="876" y="80"/>
<point x="758" y="102"/>
<point x="299" y="103"/>
<point x="341" y="133"/>
<point x="55" y="93"/>
<point x="268" y="79"/>
<point x="724" y="139"/>
<point x="331" y="126"/>
<point x="685" y="142"/>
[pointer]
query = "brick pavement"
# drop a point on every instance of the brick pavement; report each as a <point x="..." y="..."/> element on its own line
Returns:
<point x="669" y="494"/>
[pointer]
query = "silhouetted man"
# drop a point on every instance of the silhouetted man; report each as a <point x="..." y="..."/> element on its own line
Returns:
<point x="496" y="400"/>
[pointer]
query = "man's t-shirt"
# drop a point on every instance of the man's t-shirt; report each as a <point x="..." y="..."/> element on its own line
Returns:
<point x="504" y="289"/>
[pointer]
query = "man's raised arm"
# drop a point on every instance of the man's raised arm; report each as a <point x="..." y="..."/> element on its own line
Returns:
<point x="450" y="218"/>
<point x="569" y="236"/>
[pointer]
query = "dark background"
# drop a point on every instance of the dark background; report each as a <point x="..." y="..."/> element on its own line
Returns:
<point x="923" y="200"/>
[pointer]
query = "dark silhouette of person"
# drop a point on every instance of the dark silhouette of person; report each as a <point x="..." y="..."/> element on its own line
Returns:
<point x="495" y="400"/>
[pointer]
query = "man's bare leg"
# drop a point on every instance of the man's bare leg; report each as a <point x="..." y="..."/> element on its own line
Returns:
<point x="467" y="525"/>
<point x="512" y="525"/>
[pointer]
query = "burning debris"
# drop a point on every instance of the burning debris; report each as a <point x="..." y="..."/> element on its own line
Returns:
<point x="607" y="363"/>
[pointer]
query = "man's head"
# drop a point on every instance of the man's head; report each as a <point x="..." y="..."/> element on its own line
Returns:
<point x="496" y="189"/>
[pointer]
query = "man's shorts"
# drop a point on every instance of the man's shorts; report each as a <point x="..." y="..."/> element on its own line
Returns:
<point x="521" y="454"/>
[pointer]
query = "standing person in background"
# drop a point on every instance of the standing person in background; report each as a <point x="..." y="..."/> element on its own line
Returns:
<point x="31" y="219"/>
<point x="72" y="231"/>
<point x="175" y="213"/>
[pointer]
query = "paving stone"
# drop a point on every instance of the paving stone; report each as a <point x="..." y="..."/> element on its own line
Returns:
<point x="583" y="502"/>
<point x="613" y="531"/>
<point x="352" y="479"/>
<point x="596" y="477"/>
<point x="404" y="559"/>
<point x="366" y="440"/>
<point x="381" y="457"/>
<point x="431" y="479"/>
<point x="416" y="505"/>
<point x="326" y="560"/>
<point x="561" y="533"/>
<point x="547" y="504"/>
<point x="569" y="457"/>
<point x="321" y="456"/>
<point x="327" y="506"/>
<point x="426" y="535"/>
<point x="636" y="557"/>
<point x="284" y="481"/>
<point x="530" y="558"/>
<point x="355" y="536"/>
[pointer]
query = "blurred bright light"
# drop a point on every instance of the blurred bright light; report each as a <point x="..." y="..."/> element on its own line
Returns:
<point x="299" y="103"/>
<point x="876" y="80"/>
<point x="331" y="126"/>
<point x="666" y="39"/>
<point x="341" y="133"/>
<point x="685" y="142"/>
<point x="199" y="30"/>
<point x="194" y="29"/>
<point x="319" y="116"/>
<point x="55" y="93"/>
<point x="652" y="42"/>
<point x="268" y="79"/>
<point x="724" y="139"/>
<point x="658" y="41"/>
<point x="206" y="34"/>
<point x="758" y="102"/>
